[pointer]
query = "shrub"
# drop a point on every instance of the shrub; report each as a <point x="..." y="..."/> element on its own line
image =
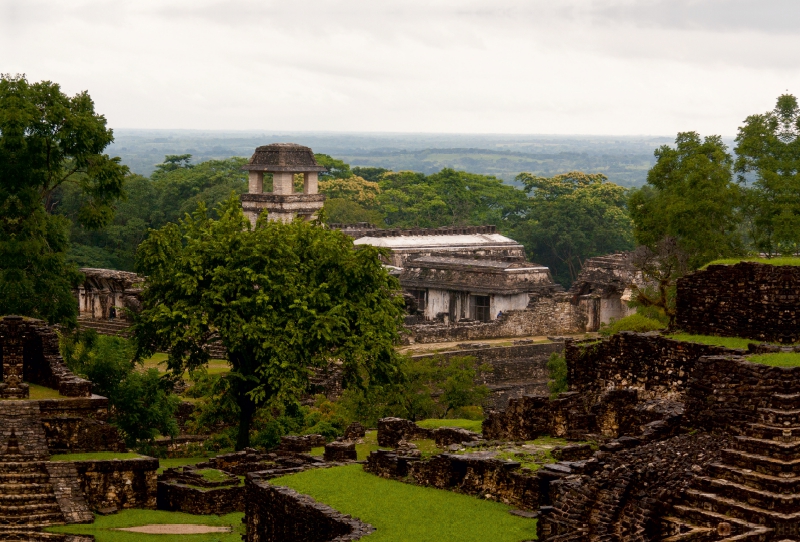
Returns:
<point x="634" y="322"/>
<point x="557" y="369"/>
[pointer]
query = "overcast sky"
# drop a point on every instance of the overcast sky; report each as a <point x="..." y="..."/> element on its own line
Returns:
<point x="476" y="66"/>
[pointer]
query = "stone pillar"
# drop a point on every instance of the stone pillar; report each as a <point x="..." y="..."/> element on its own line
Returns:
<point x="310" y="182"/>
<point x="255" y="181"/>
<point x="12" y="386"/>
<point x="283" y="183"/>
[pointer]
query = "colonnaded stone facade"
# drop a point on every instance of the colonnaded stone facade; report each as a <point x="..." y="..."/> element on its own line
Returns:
<point x="753" y="300"/>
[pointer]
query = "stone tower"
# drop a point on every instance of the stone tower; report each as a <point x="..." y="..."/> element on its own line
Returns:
<point x="283" y="160"/>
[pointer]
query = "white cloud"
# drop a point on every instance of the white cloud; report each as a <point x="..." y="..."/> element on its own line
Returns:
<point x="573" y="66"/>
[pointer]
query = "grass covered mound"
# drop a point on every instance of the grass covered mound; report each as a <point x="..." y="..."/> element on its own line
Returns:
<point x="634" y="322"/>
<point x="768" y="261"/>
<point x="778" y="359"/>
<point x="469" y="425"/>
<point x="727" y="342"/>
<point x="404" y="512"/>
<point x="103" y="527"/>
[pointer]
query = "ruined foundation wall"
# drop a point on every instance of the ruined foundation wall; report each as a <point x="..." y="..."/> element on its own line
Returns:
<point x="79" y="425"/>
<point x="748" y="299"/>
<point x="515" y="370"/>
<point x="277" y="514"/>
<point x="116" y="483"/>
<point x="656" y="366"/>
<point x="551" y="315"/>
<point x="182" y="498"/>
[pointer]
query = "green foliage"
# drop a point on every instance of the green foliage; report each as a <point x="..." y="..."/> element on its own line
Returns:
<point x="447" y="198"/>
<point x="409" y="512"/>
<point x="634" y="322"/>
<point x="768" y="147"/>
<point x="141" y="402"/>
<point x="48" y="139"/>
<point x="283" y="299"/>
<point x="432" y="387"/>
<point x="572" y="217"/>
<point x="105" y="528"/>
<point x="778" y="359"/>
<point x="690" y="196"/>
<point x="557" y="373"/>
<point x="373" y="174"/>
<point x="336" y="169"/>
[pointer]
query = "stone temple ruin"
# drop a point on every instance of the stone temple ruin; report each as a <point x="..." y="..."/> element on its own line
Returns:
<point x="34" y="491"/>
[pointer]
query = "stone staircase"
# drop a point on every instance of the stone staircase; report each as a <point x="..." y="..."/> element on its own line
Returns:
<point x="753" y="493"/>
<point x="27" y="499"/>
<point x="115" y="327"/>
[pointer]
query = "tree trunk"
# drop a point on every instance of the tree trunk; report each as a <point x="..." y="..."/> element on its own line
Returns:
<point x="246" y="411"/>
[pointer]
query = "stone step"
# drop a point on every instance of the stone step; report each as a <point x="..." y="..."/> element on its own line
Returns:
<point x="779" y="502"/>
<point x="755" y="479"/>
<point x="23" y="477"/>
<point x="27" y="489"/>
<point x="785" y="451"/>
<point x="26" y="498"/>
<point x="779" y="416"/>
<point x="33" y="520"/>
<point x="741" y="530"/>
<point x="737" y="509"/>
<point x="28" y="509"/>
<point x="10" y="463"/>
<point x="761" y="463"/>
<point x="774" y="432"/>
<point x="785" y="401"/>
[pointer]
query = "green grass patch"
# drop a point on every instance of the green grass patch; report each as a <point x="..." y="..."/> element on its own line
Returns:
<point x="95" y="456"/>
<point x="768" y="261"/>
<point x="728" y="342"/>
<point x="427" y="447"/>
<point x="469" y="425"/>
<point x="407" y="513"/>
<point x="159" y="361"/>
<point x="102" y="528"/>
<point x="212" y="475"/>
<point x="39" y="393"/>
<point x="174" y="462"/>
<point x="778" y="359"/>
<point x="634" y="322"/>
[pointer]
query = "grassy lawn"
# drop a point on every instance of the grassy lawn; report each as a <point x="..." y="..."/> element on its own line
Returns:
<point x="159" y="361"/>
<point x="469" y="425"/>
<point x="729" y="342"/>
<point x="407" y="513"/>
<point x="101" y="529"/>
<point x="768" y="261"/>
<point x="778" y="359"/>
<point x="95" y="456"/>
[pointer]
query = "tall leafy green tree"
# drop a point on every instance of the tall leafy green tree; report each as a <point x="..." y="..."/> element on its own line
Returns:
<point x="690" y="197"/>
<point x="283" y="299"/>
<point x="47" y="140"/>
<point x="572" y="217"/>
<point x="768" y="147"/>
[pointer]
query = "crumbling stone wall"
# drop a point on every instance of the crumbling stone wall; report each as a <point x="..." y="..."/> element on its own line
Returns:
<point x="656" y="366"/>
<point x="488" y="478"/>
<point x="277" y="514"/>
<point x="515" y="370"/>
<point x="557" y="314"/>
<point x="79" y="425"/>
<point x="623" y="495"/>
<point x="179" y="497"/>
<point x="119" y="483"/>
<point x="748" y="299"/>
<point x="41" y="359"/>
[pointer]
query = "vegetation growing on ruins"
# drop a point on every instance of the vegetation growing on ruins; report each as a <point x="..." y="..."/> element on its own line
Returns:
<point x="282" y="298"/>
<point x="469" y="425"/>
<point x="634" y="322"/>
<point x="778" y="359"/>
<point x="557" y="372"/>
<point x="727" y="342"/>
<point x="407" y="512"/>
<point x="767" y="261"/>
